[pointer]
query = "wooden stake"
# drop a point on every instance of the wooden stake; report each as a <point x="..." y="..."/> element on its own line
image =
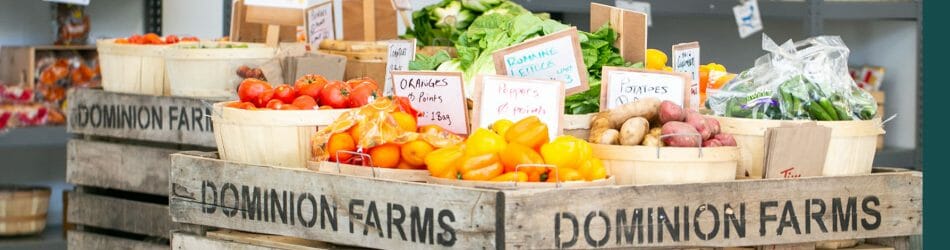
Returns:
<point x="369" y="20"/>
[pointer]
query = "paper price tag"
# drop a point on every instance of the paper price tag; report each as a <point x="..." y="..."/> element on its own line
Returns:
<point x="748" y="18"/>
<point x="553" y="57"/>
<point x="439" y="97"/>
<point x="623" y="85"/>
<point x="513" y="98"/>
<point x="320" y="23"/>
<point x="686" y="60"/>
<point x="399" y="54"/>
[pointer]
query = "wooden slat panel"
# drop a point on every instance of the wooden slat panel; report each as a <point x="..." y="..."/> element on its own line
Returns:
<point x="277" y="241"/>
<point x="882" y="205"/>
<point x="79" y="240"/>
<point x="184" y="241"/>
<point x="362" y="211"/>
<point x="118" y="166"/>
<point x="139" y="117"/>
<point x="121" y="215"/>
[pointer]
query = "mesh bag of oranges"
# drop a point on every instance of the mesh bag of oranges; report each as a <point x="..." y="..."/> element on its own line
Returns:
<point x="382" y="134"/>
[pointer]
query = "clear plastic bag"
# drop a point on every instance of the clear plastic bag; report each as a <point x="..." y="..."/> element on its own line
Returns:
<point x="805" y="80"/>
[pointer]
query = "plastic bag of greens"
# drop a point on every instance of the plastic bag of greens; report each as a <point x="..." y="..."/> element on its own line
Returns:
<point x="803" y="80"/>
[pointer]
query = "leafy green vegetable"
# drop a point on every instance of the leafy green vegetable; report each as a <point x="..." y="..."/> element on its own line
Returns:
<point x="480" y="5"/>
<point x="451" y="16"/>
<point x="423" y="62"/>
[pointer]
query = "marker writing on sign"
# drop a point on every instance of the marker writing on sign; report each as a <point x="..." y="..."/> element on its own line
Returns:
<point x="415" y="83"/>
<point x="438" y="116"/>
<point x="514" y="93"/>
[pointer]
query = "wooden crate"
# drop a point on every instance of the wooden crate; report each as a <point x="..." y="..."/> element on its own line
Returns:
<point x="81" y="240"/>
<point x="228" y="239"/>
<point x="371" y="212"/>
<point x="18" y="64"/>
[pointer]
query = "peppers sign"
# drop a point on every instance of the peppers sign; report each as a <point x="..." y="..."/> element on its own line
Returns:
<point x="686" y="60"/>
<point x="439" y="97"/>
<point x="512" y="98"/>
<point x="320" y="23"/>
<point x="397" y="59"/>
<point x="554" y="57"/>
<point x="623" y="85"/>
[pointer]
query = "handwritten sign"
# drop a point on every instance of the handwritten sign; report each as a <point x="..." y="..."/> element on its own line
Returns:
<point x="623" y="85"/>
<point x="748" y="18"/>
<point x="398" y="57"/>
<point x="686" y="60"/>
<point x="513" y="98"/>
<point x="320" y="23"/>
<point x="439" y="97"/>
<point x="553" y="57"/>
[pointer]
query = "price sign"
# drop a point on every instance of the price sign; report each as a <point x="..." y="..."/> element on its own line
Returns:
<point x="748" y="18"/>
<point x="623" y="85"/>
<point x="553" y="57"/>
<point x="686" y="60"/>
<point x="398" y="57"/>
<point x="439" y="97"/>
<point x="320" y="23"/>
<point x="514" y="98"/>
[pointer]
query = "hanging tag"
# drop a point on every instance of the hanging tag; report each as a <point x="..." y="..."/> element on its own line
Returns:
<point x="399" y="54"/>
<point x="320" y="23"/>
<point x="748" y="18"/>
<point x="686" y="60"/>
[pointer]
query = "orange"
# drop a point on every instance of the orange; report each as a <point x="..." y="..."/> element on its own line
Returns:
<point x="357" y="132"/>
<point x="404" y="165"/>
<point x="414" y="152"/>
<point x="405" y="121"/>
<point x="385" y="156"/>
<point x="338" y="142"/>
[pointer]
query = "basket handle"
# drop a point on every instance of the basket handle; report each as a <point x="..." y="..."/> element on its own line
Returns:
<point x="557" y="180"/>
<point x="363" y="157"/>
<point x="699" y="142"/>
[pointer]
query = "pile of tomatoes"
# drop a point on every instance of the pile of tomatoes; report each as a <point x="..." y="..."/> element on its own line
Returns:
<point x="308" y="93"/>
<point x="154" y="39"/>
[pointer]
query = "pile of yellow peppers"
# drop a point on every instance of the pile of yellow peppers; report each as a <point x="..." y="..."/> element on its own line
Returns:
<point x="495" y="154"/>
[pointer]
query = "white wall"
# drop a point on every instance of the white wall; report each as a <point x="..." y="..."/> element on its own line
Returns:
<point x="203" y="18"/>
<point x="30" y="22"/>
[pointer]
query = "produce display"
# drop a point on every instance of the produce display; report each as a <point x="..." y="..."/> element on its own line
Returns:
<point x="246" y="72"/>
<point x="811" y="83"/>
<point x="215" y="45"/>
<point x="382" y="134"/>
<point x="308" y="92"/>
<point x="651" y="122"/>
<point x="517" y="151"/>
<point x="154" y="39"/>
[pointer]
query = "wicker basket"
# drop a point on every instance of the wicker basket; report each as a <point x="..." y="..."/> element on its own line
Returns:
<point x="23" y="210"/>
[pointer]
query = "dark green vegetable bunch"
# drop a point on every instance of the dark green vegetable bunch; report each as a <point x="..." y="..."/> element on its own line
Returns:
<point x="799" y="98"/>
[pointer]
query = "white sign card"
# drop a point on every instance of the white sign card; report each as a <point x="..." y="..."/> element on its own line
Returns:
<point x="552" y="57"/>
<point x="319" y="23"/>
<point x="686" y="60"/>
<point x="638" y="6"/>
<point x="748" y="18"/>
<point x="514" y="98"/>
<point x="439" y="97"/>
<point x="397" y="59"/>
<point x="290" y="4"/>
<point x="623" y="85"/>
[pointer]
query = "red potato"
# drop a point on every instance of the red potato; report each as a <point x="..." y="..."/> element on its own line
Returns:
<point x="699" y="123"/>
<point x="726" y="139"/>
<point x="712" y="143"/>
<point x="713" y="125"/>
<point x="680" y="134"/>
<point x="669" y="112"/>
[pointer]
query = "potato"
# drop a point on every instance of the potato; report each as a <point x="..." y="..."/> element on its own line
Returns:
<point x="609" y="137"/>
<point x="726" y="139"/>
<point x="599" y="124"/>
<point x="645" y="107"/>
<point x="633" y="131"/>
<point x="656" y="132"/>
<point x="699" y="123"/>
<point x="713" y="125"/>
<point x="712" y="143"/>
<point x="669" y="112"/>
<point x="652" y="140"/>
<point x="680" y="134"/>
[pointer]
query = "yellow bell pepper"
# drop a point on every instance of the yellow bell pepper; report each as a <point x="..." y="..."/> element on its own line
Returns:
<point x="592" y="169"/>
<point x="655" y="59"/>
<point x="484" y="141"/>
<point x="442" y="162"/>
<point x="480" y="167"/>
<point x="529" y="131"/>
<point x="564" y="174"/>
<point x="501" y="126"/>
<point x="512" y="177"/>
<point x="563" y="152"/>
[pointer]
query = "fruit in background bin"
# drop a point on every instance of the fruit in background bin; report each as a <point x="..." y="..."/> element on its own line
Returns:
<point x="170" y="39"/>
<point x="386" y="155"/>
<point x="484" y="141"/>
<point x="442" y="162"/>
<point x="251" y="90"/>
<point x="481" y="167"/>
<point x="335" y="94"/>
<point x="529" y="131"/>
<point x="340" y="142"/>
<point x="415" y="152"/>
<point x="655" y="59"/>
<point x="304" y="102"/>
<point x="310" y="85"/>
<point x="284" y="93"/>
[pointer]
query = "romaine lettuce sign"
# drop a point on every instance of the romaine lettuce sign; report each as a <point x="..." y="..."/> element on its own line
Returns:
<point x="553" y="57"/>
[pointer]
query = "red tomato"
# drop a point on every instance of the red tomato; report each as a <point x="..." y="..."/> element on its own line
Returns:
<point x="335" y="94"/>
<point x="355" y="82"/>
<point x="284" y="93"/>
<point x="275" y="104"/>
<point x="171" y="39"/>
<point x="363" y="93"/>
<point x="189" y="38"/>
<point x="288" y="107"/>
<point x="264" y="98"/>
<point x="251" y="90"/>
<point x="152" y="38"/>
<point x="304" y="102"/>
<point x="137" y="39"/>
<point x="310" y="85"/>
<point x="242" y="105"/>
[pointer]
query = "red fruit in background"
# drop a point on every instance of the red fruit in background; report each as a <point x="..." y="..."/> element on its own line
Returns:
<point x="284" y="93"/>
<point x="171" y="39"/>
<point x="137" y="39"/>
<point x="304" y="102"/>
<point x="355" y="82"/>
<point x="288" y="107"/>
<point x="335" y="94"/>
<point x="152" y="38"/>
<point x="275" y="104"/>
<point x="242" y="105"/>
<point x="251" y="90"/>
<point x="362" y="93"/>
<point x="310" y="85"/>
<point x="189" y="39"/>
